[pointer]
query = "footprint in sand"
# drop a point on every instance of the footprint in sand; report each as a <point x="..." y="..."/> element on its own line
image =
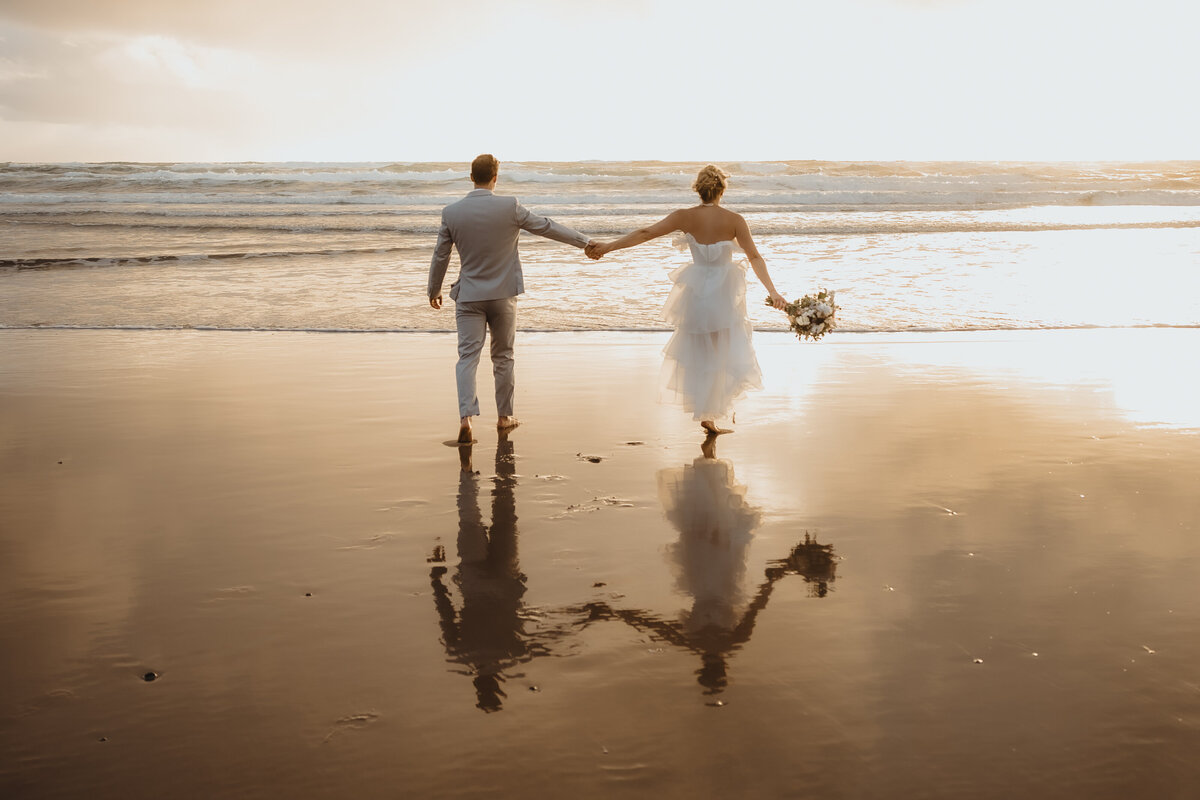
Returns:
<point x="352" y="723"/>
<point x="371" y="542"/>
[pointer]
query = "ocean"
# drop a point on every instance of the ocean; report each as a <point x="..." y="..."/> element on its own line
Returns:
<point x="346" y="246"/>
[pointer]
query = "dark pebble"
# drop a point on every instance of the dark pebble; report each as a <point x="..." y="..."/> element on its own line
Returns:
<point x="598" y="584"/>
<point x="594" y="459"/>
<point x="150" y="676"/>
<point x="308" y="594"/>
<point x="104" y="738"/>
<point x="534" y="689"/>
<point x="60" y="462"/>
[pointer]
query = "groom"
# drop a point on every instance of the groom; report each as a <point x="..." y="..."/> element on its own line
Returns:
<point x="485" y="228"/>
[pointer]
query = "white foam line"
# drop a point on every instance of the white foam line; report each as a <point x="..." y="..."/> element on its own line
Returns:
<point x="624" y="329"/>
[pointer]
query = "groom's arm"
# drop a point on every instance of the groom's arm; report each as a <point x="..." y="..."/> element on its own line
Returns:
<point x="544" y="226"/>
<point x="441" y="260"/>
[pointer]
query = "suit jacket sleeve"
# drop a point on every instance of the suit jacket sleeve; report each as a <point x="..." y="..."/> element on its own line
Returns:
<point x="441" y="259"/>
<point x="544" y="226"/>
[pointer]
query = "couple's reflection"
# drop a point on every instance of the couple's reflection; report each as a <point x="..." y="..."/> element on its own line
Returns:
<point x="707" y="506"/>
<point x="487" y="634"/>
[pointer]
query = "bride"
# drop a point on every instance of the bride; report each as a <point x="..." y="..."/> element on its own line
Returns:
<point x="710" y="359"/>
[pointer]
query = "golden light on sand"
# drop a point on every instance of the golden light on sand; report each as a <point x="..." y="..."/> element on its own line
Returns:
<point x="906" y="535"/>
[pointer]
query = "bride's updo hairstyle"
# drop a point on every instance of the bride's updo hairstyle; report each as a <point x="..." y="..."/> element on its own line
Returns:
<point x="710" y="183"/>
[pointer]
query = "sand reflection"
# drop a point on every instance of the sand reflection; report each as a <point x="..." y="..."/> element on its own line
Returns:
<point x="490" y="631"/>
<point x="486" y="633"/>
<point x="707" y="506"/>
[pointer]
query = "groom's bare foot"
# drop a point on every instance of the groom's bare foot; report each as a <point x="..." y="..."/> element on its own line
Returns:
<point x="712" y="430"/>
<point x="507" y="423"/>
<point x="464" y="431"/>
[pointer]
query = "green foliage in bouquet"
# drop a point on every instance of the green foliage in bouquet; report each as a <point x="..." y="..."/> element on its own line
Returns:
<point x="811" y="317"/>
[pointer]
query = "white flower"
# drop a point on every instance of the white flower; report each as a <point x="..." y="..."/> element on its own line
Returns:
<point x="812" y="315"/>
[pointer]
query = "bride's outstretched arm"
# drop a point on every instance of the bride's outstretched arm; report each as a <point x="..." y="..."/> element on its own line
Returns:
<point x="746" y="242"/>
<point x="667" y="224"/>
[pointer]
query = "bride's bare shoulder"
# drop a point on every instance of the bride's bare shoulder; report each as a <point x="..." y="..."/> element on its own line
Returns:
<point x="702" y="212"/>
<point x="737" y="219"/>
<point x="683" y="217"/>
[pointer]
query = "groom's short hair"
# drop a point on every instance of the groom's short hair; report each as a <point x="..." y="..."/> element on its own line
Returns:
<point x="484" y="168"/>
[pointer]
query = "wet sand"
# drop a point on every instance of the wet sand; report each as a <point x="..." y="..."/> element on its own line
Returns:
<point x="936" y="566"/>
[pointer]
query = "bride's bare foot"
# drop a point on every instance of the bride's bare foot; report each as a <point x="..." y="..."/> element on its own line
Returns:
<point x="711" y="429"/>
<point x="507" y="423"/>
<point x="464" y="431"/>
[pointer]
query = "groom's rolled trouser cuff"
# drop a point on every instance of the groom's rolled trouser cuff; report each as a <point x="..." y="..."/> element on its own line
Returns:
<point x="474" y="319"/>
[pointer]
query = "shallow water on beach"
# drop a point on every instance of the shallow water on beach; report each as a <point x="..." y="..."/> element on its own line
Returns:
<point x="943" y="566"/>
<point x="347" y="247"/>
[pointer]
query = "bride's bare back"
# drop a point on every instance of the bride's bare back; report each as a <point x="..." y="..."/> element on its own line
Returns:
<point x="707" y="223"/>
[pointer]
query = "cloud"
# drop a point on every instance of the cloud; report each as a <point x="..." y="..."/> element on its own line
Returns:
<point x="377" y="79"/>
<point x="108" y="78"/>
<point x="11" y="70"/>
<point x="310" y="28"/>
<point x="161" y="59"/>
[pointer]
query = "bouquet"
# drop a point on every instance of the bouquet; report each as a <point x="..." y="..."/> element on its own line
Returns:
<point x="811" y="317"/>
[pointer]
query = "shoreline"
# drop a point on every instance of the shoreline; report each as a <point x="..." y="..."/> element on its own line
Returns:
<point x="773" y="330"/>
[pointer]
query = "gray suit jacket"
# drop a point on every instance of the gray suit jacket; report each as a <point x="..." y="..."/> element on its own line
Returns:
<point x="485" y="228"/>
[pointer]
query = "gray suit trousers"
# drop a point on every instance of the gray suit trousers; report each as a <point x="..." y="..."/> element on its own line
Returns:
<point x="473" y="319"/>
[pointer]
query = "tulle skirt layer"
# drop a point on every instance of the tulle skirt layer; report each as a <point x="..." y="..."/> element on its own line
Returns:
<point x="709" y="361"/>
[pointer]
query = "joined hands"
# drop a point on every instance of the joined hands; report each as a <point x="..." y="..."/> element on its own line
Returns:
<point x="596" y="249"/>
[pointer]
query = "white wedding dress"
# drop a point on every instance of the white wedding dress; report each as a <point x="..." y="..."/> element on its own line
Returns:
<point x="706" y="504"/>
<point x="710" y="359"/>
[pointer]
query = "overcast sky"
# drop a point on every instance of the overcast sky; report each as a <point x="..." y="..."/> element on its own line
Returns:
<point x="402" y="80"/>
